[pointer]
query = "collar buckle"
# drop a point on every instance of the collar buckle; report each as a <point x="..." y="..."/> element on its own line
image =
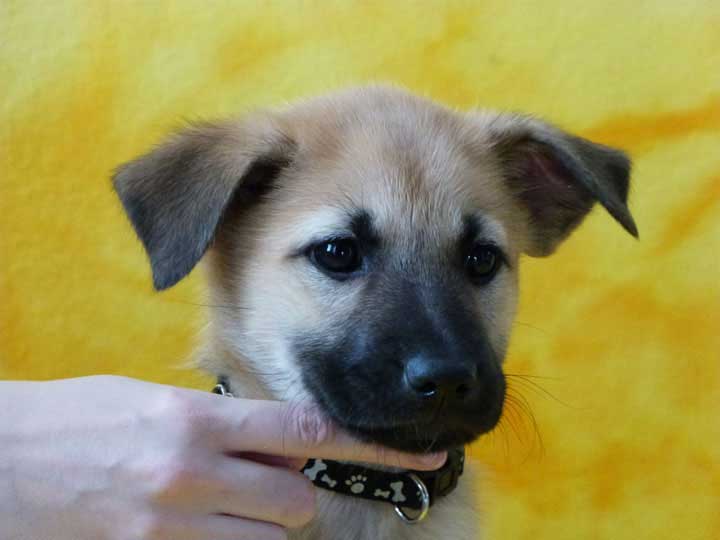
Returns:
<point x="443" y="481"/>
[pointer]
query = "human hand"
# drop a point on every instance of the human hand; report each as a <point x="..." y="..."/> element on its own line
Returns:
<point x="120" y="459"/>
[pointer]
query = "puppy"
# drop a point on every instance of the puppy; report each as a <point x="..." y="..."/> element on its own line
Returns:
<point x="362" y="251"/>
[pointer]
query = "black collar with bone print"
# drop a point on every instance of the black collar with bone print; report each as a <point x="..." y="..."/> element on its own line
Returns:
<point x="414" y="490"/>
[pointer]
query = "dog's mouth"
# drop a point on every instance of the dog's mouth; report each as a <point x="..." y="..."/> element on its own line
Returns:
<point x="422" y="434"/>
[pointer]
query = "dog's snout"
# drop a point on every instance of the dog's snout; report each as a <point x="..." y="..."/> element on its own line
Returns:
<point x="433" y="378"/>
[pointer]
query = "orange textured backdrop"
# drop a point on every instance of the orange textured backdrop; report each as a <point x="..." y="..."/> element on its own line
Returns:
<point x="624" y="335"/>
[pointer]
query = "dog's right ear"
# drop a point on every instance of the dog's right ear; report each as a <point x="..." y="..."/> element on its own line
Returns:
<point x="175" y="195"/>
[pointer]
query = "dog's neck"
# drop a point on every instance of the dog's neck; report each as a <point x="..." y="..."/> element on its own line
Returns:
<point x="218" y="361"/>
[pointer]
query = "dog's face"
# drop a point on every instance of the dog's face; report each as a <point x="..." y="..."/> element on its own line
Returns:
<point x="365" y="248"/>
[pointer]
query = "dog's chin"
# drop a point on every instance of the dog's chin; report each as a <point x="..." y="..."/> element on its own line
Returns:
<point x="417" y="437"/>
<point x="420" y="436"/>
<point x="414" y="438"/>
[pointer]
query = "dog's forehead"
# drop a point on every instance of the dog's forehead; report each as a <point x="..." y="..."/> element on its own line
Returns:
<point x="403" y="161"/>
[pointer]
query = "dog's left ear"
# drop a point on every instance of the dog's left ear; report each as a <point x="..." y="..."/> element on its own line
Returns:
<point x="176" y="195"/>
<point x="558" y="177"/>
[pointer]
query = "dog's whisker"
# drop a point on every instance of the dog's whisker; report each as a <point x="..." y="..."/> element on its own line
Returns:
<point x="532" y="376"/>
<point x="213" y="306"/>
<point x="265" y="374"/>
<point x="505" y="441"/>
<point x="518" y="427"/>
<point x="523" y="406"/>
<point x="512" y="419"/>
<point x="531" y="326"/>
<point x="499" y="435"/>
<point x="538" y="390"/>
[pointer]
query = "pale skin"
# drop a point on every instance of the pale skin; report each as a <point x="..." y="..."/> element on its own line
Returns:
<point x="113" y="458"/>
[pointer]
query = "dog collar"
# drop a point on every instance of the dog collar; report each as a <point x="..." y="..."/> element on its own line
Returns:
<point x="405" y="490"/>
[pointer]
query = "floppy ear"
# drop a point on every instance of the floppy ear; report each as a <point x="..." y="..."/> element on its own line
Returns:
<point x="175" y="195"/>
<point x="558" y="177"/>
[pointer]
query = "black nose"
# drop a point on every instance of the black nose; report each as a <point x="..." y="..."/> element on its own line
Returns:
<point x="433" y="378"/>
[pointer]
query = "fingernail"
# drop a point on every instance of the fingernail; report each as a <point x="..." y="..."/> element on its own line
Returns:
<point x="433" y="460"/>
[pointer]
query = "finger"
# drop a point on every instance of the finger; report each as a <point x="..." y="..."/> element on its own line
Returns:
<point x="260" y="492"/>
<point x="303" y="431"/>
<point x="295" y="464"/>
<point x="233" y="528"/>
<point x="215" y="527"/>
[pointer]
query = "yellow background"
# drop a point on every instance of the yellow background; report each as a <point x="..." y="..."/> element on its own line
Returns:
<point x="625" y="334"/>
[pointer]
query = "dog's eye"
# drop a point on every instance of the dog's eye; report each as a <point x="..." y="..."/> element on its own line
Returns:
<point x="482" y="263"/>
<point x="337" y="256"/>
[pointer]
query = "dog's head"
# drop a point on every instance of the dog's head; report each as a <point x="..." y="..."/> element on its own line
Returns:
<point x="364" y="247"/>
